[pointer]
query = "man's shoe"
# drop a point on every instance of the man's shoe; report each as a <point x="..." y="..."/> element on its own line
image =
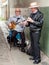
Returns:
<point x="23" y="50"/>
<point x="37" y="61"/>
<point x="31" y="59"/>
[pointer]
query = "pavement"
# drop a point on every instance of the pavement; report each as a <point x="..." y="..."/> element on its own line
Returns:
<point x="15" y="56"/>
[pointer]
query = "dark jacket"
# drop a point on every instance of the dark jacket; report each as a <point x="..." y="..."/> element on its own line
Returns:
<point x="38" y="18"/>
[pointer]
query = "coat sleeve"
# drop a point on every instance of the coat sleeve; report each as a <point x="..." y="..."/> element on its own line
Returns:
<point x="39" y="22"/>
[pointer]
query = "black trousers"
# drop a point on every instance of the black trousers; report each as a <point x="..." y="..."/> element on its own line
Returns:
<point x="23" y="39"/>
<point x="35" y="45"/>
<point x="14" y="33"/>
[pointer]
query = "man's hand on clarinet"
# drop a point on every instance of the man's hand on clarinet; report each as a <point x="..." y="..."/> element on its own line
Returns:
<point x="30" y="20"/>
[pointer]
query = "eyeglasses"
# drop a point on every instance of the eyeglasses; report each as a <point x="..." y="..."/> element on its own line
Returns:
<point x="17" y="11"/>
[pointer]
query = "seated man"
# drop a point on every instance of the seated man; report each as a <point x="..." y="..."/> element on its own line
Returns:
<point x="18" y="19"/>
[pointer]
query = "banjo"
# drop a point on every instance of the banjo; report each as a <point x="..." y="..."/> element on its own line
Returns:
<point x="13" y="24"/>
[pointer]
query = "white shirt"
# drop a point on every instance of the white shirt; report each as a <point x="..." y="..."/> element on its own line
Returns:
<point x="18" y="28"/>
